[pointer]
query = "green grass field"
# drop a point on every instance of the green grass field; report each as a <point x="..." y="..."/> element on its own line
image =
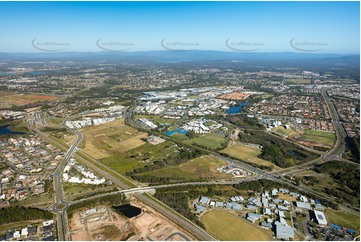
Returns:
<point x="157" y="119"/>
<point x="290" y="132"/>
<point x="138" y="157"/>
<point x="227" y="226"/>
<point x="75" y="189"/>
<point x="298" y="81"/>
<point x="179" y="136"/>
<point x="201" y="167"/>
<point x="41" y="200"/>
<point x="344" y="219"/>
<point x="209" y="140"/>
<point x="54" y="121"/>
<point x="321" y="137"/>
<point x="246" y="153"/>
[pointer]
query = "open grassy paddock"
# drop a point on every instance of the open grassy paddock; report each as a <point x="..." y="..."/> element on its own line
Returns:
<point x="290" y="132"/>
<point x="179" y="136"/>
<point x="201" y="167"/>
<point x="246" y="153"/>
<point x="104" y="140"/>
<point x="8" y="99"/>
<point x="139" y="157"/>
<point x="321" y="137"/>
<point x="227" y="226"/>
<point x="342" y="218"/>
<point x="54" y="121"/>
<point x="209" y="140"/>
<point x="157" y="119"/>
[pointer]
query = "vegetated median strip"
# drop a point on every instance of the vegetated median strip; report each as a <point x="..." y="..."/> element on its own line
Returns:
<point x="81" y="155"/>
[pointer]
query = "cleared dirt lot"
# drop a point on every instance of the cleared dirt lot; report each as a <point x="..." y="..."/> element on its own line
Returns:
<point x="151" y="225"/>
<point x="107" y="224"/>
<point x="104" y="140"/>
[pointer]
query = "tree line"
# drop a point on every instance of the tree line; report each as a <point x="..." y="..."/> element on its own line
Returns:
<point x="347" y="176"/>
<point x="18" y="214"/>
<point x="277" y="150"/>
<point x="112" y="200"/>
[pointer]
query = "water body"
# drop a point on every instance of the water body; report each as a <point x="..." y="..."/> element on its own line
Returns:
<point x="36" y="73"/>
<point x="236" y="109"/>
<point x="6" y="130"/>
<point x="128" y="210"/>
<point x="180" y="131"/>
<point x="7" y="74"/>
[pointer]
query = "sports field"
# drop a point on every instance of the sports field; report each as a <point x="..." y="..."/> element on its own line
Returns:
<point x="209" y="140"/>
<point x="342" y="218"/>
<point x="246" y="153"/>
<point x="201" y="167"/>
<point x="321" y="137"/>
<point x="227" y="226"/>
<point x="104" y="140"/>
<point x="8" y="99"/>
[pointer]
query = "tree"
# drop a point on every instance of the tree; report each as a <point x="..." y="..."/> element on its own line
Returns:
<point x="191" y="134"/>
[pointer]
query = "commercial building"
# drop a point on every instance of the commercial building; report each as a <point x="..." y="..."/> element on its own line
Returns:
<point x="320" y="218"/>
<point x="303" y="205"/>
<point x="284" y="232"/>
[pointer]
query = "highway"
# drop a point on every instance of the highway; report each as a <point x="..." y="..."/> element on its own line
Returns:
<point x="141" y="193"/>
<point x="278" y="176"/>
<point x="61" y="205"/>
<point x="337" y="150"/>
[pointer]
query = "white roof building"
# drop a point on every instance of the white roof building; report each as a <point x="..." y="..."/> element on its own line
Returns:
<point x="320" y="217"/>
<point x="24" y="232"/>
<point x="49" y="222"/>
<point x="16" y="234"/>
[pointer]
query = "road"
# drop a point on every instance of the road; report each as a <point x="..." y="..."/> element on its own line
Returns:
<point x="337" y="150"/>
<point x="278" y="176"/>
<point x="60" y="205"/>
<point x="128" y="186"/>
<point x="183" y="222"/>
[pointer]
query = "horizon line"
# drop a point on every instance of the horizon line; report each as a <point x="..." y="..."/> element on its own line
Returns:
<point x="179" y="51"/>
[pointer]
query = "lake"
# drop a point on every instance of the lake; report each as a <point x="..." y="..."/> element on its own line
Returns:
<point x="128" y="210"/>
<point x="6" y="130"/>
<point x="236" y="109"/>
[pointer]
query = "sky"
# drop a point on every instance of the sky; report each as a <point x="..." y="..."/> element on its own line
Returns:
<point x="321" y="27"/>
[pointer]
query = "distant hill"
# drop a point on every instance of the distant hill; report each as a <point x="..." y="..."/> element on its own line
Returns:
<point x="174" y="56"/>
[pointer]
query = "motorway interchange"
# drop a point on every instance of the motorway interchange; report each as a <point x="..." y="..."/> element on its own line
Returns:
<point x="142" y="193"/>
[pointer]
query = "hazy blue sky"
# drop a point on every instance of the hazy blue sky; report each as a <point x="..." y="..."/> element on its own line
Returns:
<point x="265" y="26"/>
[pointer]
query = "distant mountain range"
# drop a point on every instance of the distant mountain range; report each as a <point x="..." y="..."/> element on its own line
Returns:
<point x="174" y="56"/>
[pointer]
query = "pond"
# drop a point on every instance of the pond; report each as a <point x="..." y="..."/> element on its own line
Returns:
<point x="6" y="130"/>
<point x="180" y="131"/>
<point x="128" y="210"/>
<point x="236" y="109"/>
